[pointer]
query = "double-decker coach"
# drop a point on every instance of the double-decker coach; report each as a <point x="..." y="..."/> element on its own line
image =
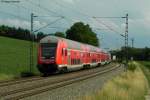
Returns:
<point x="59" y="54"/>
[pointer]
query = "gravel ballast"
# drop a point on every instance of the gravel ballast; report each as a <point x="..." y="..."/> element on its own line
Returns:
<point x="77" y="90"/>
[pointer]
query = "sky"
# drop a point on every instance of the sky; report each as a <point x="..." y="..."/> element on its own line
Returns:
<point x="61" y="14"/>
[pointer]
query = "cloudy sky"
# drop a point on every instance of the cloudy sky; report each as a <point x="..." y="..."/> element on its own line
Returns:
<point x="61" y="14"/>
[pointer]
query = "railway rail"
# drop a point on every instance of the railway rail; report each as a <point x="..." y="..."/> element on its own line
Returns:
<point x="60" y="81"/>
<point x="29" y="79"/>
<point x="17" y="81"/>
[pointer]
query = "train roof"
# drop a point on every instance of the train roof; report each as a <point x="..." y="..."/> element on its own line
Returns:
<point x="71" y="44"/>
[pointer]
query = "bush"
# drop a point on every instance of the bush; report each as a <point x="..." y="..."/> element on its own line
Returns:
<point x="27" y="74"/>
<point x="131" y="67"/>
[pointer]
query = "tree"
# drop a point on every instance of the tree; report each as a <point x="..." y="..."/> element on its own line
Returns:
<point x="18" y="33"/>
<point x="60" y="34"/>
<point x="136" y="53"/>
<point x="40" y="35"/>
<point x="82" y="33"/>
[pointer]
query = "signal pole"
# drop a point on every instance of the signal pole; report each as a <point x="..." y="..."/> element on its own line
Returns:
<point x="132" y="42"/>
<point x="32" y="43"/>
<point x="126" y="40"/>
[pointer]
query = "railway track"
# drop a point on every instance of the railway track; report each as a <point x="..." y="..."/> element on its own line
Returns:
<point x="21" y="80"/>
<point x="17" y="81"/>
<point x="50" y="85"/>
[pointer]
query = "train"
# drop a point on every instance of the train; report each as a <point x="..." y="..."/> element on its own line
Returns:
<point x="56" y="54"/>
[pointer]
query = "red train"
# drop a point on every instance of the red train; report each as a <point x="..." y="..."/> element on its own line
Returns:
<point x="59" y="54"/>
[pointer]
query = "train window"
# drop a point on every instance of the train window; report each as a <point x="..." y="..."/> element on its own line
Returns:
<point x="48" y="50"/>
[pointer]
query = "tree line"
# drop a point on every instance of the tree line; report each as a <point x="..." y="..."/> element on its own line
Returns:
<point x="78" y="31"/>
<point x="18" y="33"/>
<point x="133" y="53"/>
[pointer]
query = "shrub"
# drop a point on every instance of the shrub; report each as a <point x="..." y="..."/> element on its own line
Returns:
<point x="131" y="67"/>
<point x="27" y="74"/>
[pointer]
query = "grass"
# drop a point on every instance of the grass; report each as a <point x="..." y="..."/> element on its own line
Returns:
<point x="130" y="85"/>
<point x="14" y="57"/>
<point x="145" y="66"/>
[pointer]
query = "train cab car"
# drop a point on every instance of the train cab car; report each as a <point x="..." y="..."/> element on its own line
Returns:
<point x="47" y="50"/>
<point x="59" y="54"/>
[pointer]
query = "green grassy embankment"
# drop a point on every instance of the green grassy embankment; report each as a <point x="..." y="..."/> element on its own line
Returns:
<point x="14" y="57"/>
<point x="130" y="85"/>
<point x="145" y="66"/>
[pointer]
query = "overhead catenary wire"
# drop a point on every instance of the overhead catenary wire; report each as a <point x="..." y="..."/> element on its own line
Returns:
<point x="106" y="43"/>
<point x="44" y="8"/>
<point x="66" y="18"/>
<point x="109" y="27"/>
<point x="58" y="15"/>
<point x="48" y="24"/>
<point x="79" y="12"/>
<point x="50" y="12"/>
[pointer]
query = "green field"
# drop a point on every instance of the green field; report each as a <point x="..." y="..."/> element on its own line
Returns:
<point x="14" y="57"/>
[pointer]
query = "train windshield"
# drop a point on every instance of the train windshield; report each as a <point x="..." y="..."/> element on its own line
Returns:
<point x="48" y="50"/>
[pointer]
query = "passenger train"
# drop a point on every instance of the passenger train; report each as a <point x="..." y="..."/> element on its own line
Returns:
<point x="57" y="54"/>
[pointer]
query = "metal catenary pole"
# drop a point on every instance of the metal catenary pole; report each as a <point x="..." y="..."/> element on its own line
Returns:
<point x="132" y="42"/>
<point x="126" y="41"/>
<point x="31" y="43"/>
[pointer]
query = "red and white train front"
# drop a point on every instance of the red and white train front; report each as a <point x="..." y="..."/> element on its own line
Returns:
<point x="47" y="55"/>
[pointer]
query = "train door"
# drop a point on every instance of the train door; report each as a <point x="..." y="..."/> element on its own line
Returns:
<point x="69" y="57"/>
<point x="64" y="58"/>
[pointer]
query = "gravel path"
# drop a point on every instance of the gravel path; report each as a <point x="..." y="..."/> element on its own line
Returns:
<point x="76" y="90"/>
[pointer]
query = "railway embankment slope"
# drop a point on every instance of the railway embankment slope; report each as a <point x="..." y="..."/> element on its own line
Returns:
<point x="130" y="85"/>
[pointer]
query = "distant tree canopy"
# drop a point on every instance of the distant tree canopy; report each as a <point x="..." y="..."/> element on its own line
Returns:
<point x="13" y="32"/>
<point x="60" y="34"/>
<point x="40" y="35"/>
<point x="82" y="33"/>
<point x="136" y="53"/>
<point x="19" y="33"/>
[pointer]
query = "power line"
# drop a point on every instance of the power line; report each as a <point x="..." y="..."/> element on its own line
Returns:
<point x="44" y="8"/>
<point x="49" y="24"/>
<point x="58" y="27"/>
<point x="79" y="12"/>
<point x="109" y="17"/>
<point x="110" y="28"/>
